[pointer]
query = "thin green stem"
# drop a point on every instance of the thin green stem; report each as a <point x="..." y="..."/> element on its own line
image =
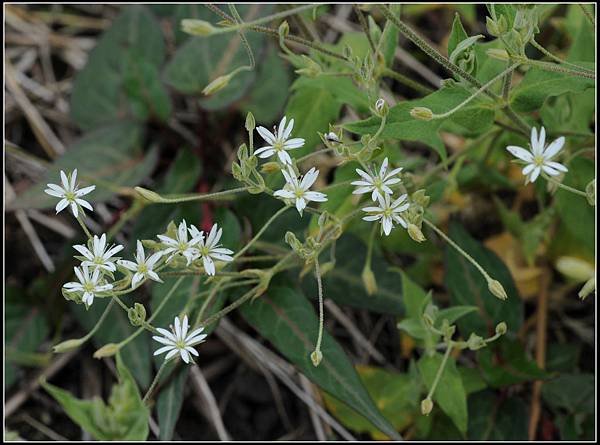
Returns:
<point x="370" y="247"/>
<point x="245" y="43"/>
<point x="483" y="88"/>
<point x="506" y="86"/>
<point x="458" y="248"/>
<point x="175" y="199"/>
<point x="314" y="153"/>
<point x="588" y="14"/>
<point x="229" y="308"/>
<point x="155" y="381"/>
<point x="266" y="19"/>
<point x="553" y="67"/>
<point x="440" y="371"/>
<point x="564" y="186"/>
<point x="260" y="232"/>
<point x="321" y="316"/>
<point x="209" y="299"/>
<point x="544" y="51"/>
<point x="83" y="226"/>
<point x="365" y="27"/>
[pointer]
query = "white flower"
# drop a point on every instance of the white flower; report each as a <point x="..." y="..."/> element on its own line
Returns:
<point x="88" y="284"/>
<point x="69" y="193"/>
<point x="378" y="183"/>
<point x="298" y="190"/>
<point x="210" y="250"/>
<point x="101" y="256"/>
<point x="388" y="212"/>
<point x="143" y="266"/>
<point x="179" y="340"/>
<point x="332" y="137"/>
<point x="181" y="244"/>
<point x="539" y="158"/>
<point x="278" y="142"/>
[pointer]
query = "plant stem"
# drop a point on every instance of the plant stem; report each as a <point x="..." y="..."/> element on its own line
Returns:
<point x="440" y="371"/>
<point x="458" y="248"/>
<point x="229" y="308"/>
<point x="83" y="226"/>
<point x="590" y="16"/>
<point x="547" y="66"/>
<point x="405" y="80"/>
<point x="260" y="232"/>
<point x="544" y="51"/>
<point x="564" y="186"/>
<point x="155" y="381"/>
<point x="321" y="317"/>
<point x="266" y="19"/>
<point x="174" y="199"/>
<point x="365" y="28"/>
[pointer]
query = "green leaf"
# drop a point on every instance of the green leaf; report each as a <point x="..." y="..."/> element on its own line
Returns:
<point x="342" y="89"/>
<point x="284" y="317"/>
<point x="169" y="402"/>
<point x="343" y="284"/>
<point x="312" y="109"/>
<point x="582" y="33"/>
<point x="99" y="92"/>
<point x="124" y="418"/>
<point x="474" y="118"/>
<point x="201" y="60"/>
<point x="146" y="93"/>
<point x="538" y="85"/>
<point x="396" y="395"/>
<point x="468" y="287"/>
<point x="450" y="393"/>
<point x="572" y="392"/>
<point x="109" y="157"/>
<point x="508" y="364"/>
<point x="457" y="35"/>
<point x="497" y="418"/>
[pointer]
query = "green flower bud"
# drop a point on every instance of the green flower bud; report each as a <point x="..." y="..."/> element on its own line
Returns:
<point x="381" y="107"/>
<point x="588" y="288"/>
<point x="197" y="27"/>
<point x="501" y="328"/>
<point x="415" y="233"/>
<point x="422" y="113"/>
<point x="217" y="85"/>
<point x="497" y="289"/>
<point x="426" y="406"/>
<point x="108" y="350"/>
<point x="369" y="281"/>
<point x="68" y="345"/>
<point x="149" y="195"/>
<point x="590" y="192"/>
<point x="137" y="314"/>
<point x="270" y="167"/>
<point x="250" y="122"/>
<point x="316" y="357"/>
<point x="575" y="268"/>
<point x="283" y="30"/>
<point x="475" y="342"/>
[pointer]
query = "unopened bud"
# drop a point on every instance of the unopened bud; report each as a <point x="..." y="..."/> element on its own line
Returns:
<point x="426" y="406"/>
<point x="284" y="30"/>
<point x="197" y="27"/>
<point x="381" y="107"/>
<point x="575" y="268"/>
<point x="108" y="350"/>
<point x="217" y="85"/>
<point x="422" y="113"/>
<point x="68" y="345"/>
<point x="475" y="342"/>
<point x="501" y="328"/>
<point x="332" y="137"/>
<point x="369" y="281"/>
<point x="496" y="53"/>
<point x="137" y="314"/>
<point x="415" y="233"/>
<point x="270" y="167"/>
<point x="588" y="288"/>
<point x="250" y="122"/>
<point x="315" y="357"/>
<point x="590" y="192"/>
<point x="497" y="289"/>
<point x="149" y="195"/>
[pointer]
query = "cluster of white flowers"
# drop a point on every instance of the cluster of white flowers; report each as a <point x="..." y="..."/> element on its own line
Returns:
<point x="378" y="184"/>
<point x="296" y="191"/>
<point x="539" y="158"/>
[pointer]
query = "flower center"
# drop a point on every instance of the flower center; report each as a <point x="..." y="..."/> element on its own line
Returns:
<point x="388" y="212"/>
<point x="204" y="251"/>
<point x="89" y="287"/>
<point x="182" y="246"/>
<point x="278" y="145"/>
<point x="98" y="260"/>
<point x="70" y="196"/>
<point x="142" y="268"/>
<point x="299" y="193"/>
<point x="538" y="160"/>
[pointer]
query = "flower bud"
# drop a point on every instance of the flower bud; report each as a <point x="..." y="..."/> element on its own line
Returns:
<point x="415" y="233"/>
<point x="496" y="53"/>
<point x="137" y="314"/>
<point x="426" y="406"/>
<point x="197" y="27"/>
<point x="501" y="328"/>
<point x="381" y="107"/>
<point x="475" y="342"/>
<point x="149" y="195"/>
<point x="422" y="113"/>
<point x="590" y="192"/>
<point x="497" y="289"/>
<point x="588" y="288"/>
<point x="332" y="137"/>
<point x="316" y="357"/>
<point x="369" y="281"/>
<point x="250" y="122"/>
<point x="108" y="350"/>
<point x="270" y="167"/>
<point x="217" y="85"/>
<point x="283" y="30"/>
<point x="574" y="268"/>
<point x="68" y="345"/>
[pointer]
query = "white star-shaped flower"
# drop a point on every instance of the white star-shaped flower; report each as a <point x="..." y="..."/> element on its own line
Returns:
<point x="378" y="184"/>
<point x="209" y="250"/>
<point x="143" y="267"/>
<point x="181" y="245"/>
<point x="88" y="284"/>
<point x="179" y="340"/>
<point x="539" y="158"/>
<point x="101" y="256"/>
<point x="279" y="142"/>
<point x="388" y="212"/>
<point x="298" y="190"/>
<point x="69" y="193"/>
